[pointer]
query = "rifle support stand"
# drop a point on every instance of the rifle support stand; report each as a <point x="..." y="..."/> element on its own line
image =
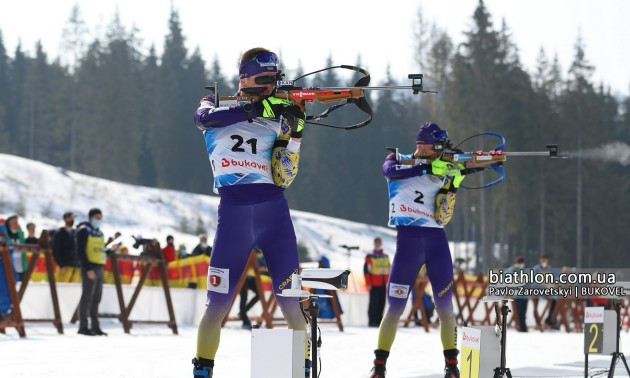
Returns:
<point x="503" y="371"/>
<point x="617" y="355"/>
<point x="313" y="311"/>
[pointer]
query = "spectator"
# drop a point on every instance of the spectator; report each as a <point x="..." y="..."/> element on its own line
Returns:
<point x="114" y="247"/>
<point x="543" y="267"/>
<point x="169" y="251"/>
<point x="65" y="251"/>
<point x="202" y="248"/>
<point x="181" y="251"/>
<point x="31" y="239"/>
<point x="519" y="301"/>
<point x="376" y="273"/>
<point x="15" y="235"/>
<point x="91" y="251"/>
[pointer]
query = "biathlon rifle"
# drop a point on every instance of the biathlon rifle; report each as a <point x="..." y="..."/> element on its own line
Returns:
<point x="479" y="161"/>
<point x="288" y="90"/>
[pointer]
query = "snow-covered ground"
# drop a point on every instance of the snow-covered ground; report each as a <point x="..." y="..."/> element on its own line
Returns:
<point x="43" y="193"/>
<point x="153" y="351"/>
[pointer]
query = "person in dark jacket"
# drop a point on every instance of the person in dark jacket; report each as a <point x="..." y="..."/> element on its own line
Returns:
<point x="65" y="250"/>
<point x="92" y="257"/>
<point x="31" y="239"/>
<point x="202" y="248"/>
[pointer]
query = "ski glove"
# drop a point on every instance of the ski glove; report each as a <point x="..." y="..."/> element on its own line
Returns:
<point x="295" y="119"/>
<point x="457" y="175"/>
<point x="271" y="107"/>
<point x="440" y="167"/>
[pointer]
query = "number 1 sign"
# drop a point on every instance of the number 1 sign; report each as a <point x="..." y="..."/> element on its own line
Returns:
<point x="471" y="346"/>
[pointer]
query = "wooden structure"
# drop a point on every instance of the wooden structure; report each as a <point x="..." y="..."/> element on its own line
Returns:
<point x="14" y="317"/>
<point x="626" y="314"/>
<point x="35" y="251"/>
<point x="418" y="305"/>
<point x="145" y="265"/>
<point x="266" y="316"/>
<point x="38" y="251"/>
<point x="468" y="295"/>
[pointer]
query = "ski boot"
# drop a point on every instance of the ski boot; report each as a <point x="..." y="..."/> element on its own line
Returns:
<point x="450" y="357"/>
<point x="378" y="370"/>
<point x="202" y="368"/>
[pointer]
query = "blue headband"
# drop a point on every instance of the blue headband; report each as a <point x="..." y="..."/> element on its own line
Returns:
<point x="263" y="62"/>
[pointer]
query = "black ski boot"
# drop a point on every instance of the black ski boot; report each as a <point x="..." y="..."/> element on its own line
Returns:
<point x="378" y="370"/>
<point x="450" y="357"/>
<point x="202" y="368"/>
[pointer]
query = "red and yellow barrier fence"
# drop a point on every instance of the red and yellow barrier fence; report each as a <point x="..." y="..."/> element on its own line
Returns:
<point x="126" y="269"/>
<point x="40" y="272"/>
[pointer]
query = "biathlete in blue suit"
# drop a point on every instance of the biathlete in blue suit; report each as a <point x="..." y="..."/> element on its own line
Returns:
<point x="421" y="201"/>
<point x="253" y="152"/>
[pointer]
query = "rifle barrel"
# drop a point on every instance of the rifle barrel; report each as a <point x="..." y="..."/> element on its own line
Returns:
<point x="391" y="88"/>
<point x="532" y="153"/>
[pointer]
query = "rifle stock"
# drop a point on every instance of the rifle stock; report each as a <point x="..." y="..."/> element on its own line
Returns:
<point x="323" y="96"/>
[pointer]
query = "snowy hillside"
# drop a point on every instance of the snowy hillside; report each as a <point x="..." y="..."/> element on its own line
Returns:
<point x="43" y="193"/>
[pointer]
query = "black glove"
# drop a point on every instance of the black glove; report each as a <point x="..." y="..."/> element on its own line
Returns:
<point x="295" y="119"/>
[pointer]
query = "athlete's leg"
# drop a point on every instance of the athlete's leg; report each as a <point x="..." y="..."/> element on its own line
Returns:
<point x="440" y="272"/>
<point x="276" y="239"/>
<point x="410" y="255"/>
<point x="232" y="245"/>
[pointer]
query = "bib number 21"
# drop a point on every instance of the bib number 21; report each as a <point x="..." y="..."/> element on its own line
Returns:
<point x="239" y="142"/>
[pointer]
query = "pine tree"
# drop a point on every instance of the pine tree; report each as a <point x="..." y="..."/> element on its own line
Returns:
<point x="5" y="135"/>
<point x="122" y="131"/>
<point x="226" y="87"/>
<point x="16" y="97"/>
<point x="180" y="154"/>
<point x="90" y="112"/>
<point x="74" y="44"/>
<point x="152" y="115"/>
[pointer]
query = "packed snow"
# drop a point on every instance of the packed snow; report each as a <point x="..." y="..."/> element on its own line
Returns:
<point x="42" y="193"/>
<point x="152" y="351"/>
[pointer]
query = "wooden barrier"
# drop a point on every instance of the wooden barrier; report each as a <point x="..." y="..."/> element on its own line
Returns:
<point x="418" y="305"/>
<point x="144" y="264"/>
<point x="472" y="292"/>
<point x="36" y="251"/>
<point x="468" y="293"/>
<point x="14" y="317"/>
<point x="266" y="316"/>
